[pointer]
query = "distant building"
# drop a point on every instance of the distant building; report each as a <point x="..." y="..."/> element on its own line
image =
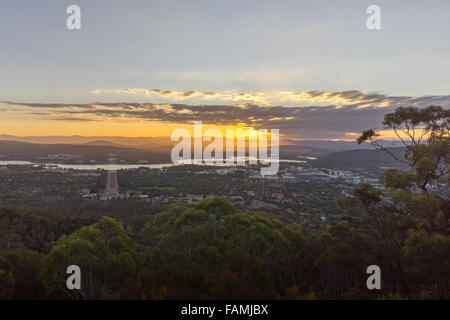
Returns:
<point x="194" y="197"/>
<point x="288" y="176"/>
<point x="278" y="196"/>
<point x="225" y="171"/>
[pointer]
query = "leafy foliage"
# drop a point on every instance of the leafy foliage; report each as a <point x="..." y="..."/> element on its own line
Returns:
<point x="104" y="252"/>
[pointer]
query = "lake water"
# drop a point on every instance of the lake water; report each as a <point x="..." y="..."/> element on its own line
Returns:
<point x="115" y="166"/>
<point x="88" y="166"/>
<point x="15" y="162"/>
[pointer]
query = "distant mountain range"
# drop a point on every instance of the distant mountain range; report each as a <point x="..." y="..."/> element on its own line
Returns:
<point x="137" y="142"/>
<point x="165" y="142"/>
<point x="157" y="150"/>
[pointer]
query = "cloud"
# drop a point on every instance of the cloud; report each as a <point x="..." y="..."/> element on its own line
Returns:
<point x="48" y="105"/>
<point x="289" y="98"/>
<point x="353" y="113"/>
<point x="229" y="96"/>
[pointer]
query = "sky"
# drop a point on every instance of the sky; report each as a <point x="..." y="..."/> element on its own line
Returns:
<point x="143" y="68"/>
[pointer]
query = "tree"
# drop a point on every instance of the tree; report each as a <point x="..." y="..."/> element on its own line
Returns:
<point x="427" y="263"/>
<point x="24" y="270"/>
<point x="409" y="220"/>
<point x="6" y="278"/>
<point x="105" y="254"/>
<point x="425" y="134"/>
<point x="232" y="254"/>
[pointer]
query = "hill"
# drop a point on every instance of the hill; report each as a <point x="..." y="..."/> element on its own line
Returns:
<point x="339" y="145"/>
<point x="66" y="153"/>
<point x="360" y="159"/>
